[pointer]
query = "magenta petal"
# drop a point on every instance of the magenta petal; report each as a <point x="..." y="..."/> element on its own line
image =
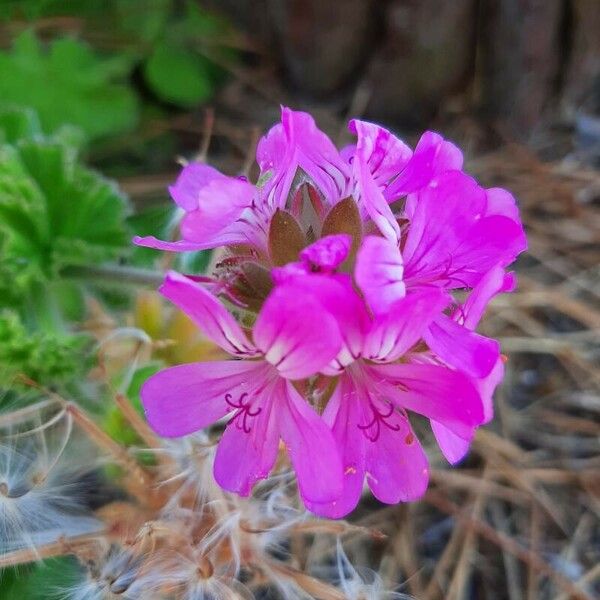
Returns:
<point x="462" y="348"/>
<point x="397" y="467"/>
<point x="384" y="153"/>
<point x="502" y="202"/>
<point x="442" y="218"/>
<point x="245" y="456"/>
<point x="379" y="271"/>
<point x="150" y="241"/>
<point x="191" y="180"/>
<point x="344" y="413"/>
<point x="395" y="332"/>
<point x="436" y="392"/>
<point x="327" y="252"/>
<point x="494" y="282"/>
<point x="486" y="388"/>
<point x="453" y="447"/>
<point x="371" y="199"/>
<point x="316" y="154"/>
<point x="295" y="333"/>
<point x="492" y="240"/>
<point x="432" y="157"/>
<point x="220" y="204"/>
<point x="208" y="313"/>
<point x="311" y="447"/>
<point x="186" y="398"/>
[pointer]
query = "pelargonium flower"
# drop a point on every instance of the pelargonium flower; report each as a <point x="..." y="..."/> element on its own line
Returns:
<point x="343" y="266"/>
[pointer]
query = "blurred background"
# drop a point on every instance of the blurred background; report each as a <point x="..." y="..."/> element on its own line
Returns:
<point x="101" y="99"/>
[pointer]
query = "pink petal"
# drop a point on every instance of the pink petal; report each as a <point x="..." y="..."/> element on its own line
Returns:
<point x="295" y="333"/>
<point x="311" y="447"/>
<point x="453" y="447"/>
<point x="451" y="241"/>
<point x="397" y="467"/>
<point x="246" y="455"/>
<point x="379" y="271"/>
<point x="150" y="241"/>
<point x="432" y="156"/>
<point x="208" y="314"/>
<point x="492" y="240"/>
<point x="371" y="199"/>
<point x="486" y="388"/>
<point x="191" y="180"/>
<point x="394" y="333"/>
<point x="494" y="282"/>
<point x="384" y="153"/>
<point x="219" y="204"/>
<point x="441" y="220"/>
<point x="316" y="155"/>
<point x="328" y="252"/>
<point x="502" y="202"/>
<point x="344" y="413"/>
<point x="462" y="348"/>
<point x="337" y="296"/>
<point x="186" y="398"/>
<point x="436" y="392"/>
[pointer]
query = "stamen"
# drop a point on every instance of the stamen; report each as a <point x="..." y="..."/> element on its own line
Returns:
<point x="243" y="411"/>
<point x="378" y="419"/>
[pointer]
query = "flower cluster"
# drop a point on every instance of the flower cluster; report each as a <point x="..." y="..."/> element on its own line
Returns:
<point x="348" y="293"/>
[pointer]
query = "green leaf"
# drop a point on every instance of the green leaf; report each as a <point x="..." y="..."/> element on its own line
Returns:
<point x="40" y="581"/>
<point x="54" y="212"/>
<point x="177" y="76"/>
<point x="47" y="358"/>
<point x="17" y="123"/>
<point x="68" y="83"/>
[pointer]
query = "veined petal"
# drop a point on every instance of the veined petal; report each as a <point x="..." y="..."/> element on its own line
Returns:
<point x="337" y="296"/>
<point x="462" y="348"/>
<point x="432" y="156"/>
<point x="248" y="448"/>
<point x="379" y="271"/>
<point x="397" y="467"/>
<point x="436" y="392"/>
<point x="193" y="177"/>
<point x="392" y="334"/>
<point x="370" y="197"/>
<point x="443" y="215"/>
<point x="183" y="399"/>
<point x="343" y="414"/>
<point x="385" y="154"/>
<point x="295" y="333"/>
<point x="492" y="240"/>
<point x="316" y="154"/>
<point x="453" y="447"/>
<point x="208" y="313"/>
<point x="310" y="445"/>
<point x="451" y="241"/>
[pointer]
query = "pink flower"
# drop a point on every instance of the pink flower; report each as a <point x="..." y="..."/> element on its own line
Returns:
<point x="346" y="264"/>
<point x="257" y="393"/>
<point x="368" y="409"/>
<point x="221" y="210"/>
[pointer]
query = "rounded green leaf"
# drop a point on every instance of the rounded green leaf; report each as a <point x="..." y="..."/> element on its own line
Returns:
<point x="177" y="76"/>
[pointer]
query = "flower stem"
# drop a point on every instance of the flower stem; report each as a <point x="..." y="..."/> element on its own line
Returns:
<point x="119" y="274"/>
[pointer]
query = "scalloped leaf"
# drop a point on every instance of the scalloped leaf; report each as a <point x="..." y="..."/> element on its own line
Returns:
<point x="68" y="83"/>
<point x="54" y="212"/>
